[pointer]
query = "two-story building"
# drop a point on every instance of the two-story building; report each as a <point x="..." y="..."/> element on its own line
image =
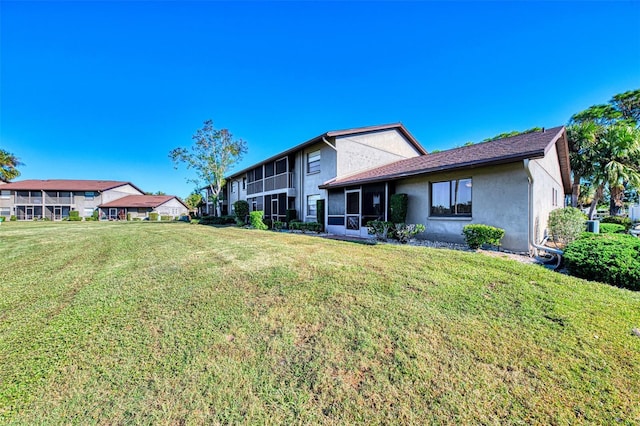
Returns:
<point x="512" y="183"/>
<point x="53" y="199"/>
<point x="292" y="178"/>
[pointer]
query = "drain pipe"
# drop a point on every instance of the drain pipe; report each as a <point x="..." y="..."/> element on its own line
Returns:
<point x="538" y="247"/>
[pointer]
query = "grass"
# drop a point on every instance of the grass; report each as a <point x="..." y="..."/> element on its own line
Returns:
<point x="185" y="324"/>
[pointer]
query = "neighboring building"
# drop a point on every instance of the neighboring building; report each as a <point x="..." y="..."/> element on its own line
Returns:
<point x="54" y="199"/>
<point x="291" y="179"/>
<point x="139" y="206"/>
<point x="512" y="183"/>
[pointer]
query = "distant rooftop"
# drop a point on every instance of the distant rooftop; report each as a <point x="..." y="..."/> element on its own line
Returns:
<point x="64" y="185"/>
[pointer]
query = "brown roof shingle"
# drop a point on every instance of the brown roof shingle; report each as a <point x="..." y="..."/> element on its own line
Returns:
<point x="64" y="185"/>
<point x="500" y="151"/>
<point x="151" y="201"/>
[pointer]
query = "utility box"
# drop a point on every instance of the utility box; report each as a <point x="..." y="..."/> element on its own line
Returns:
<point x="593" y="226"/>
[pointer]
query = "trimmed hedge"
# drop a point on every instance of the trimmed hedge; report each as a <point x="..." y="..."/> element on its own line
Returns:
<point x="217" y="220"/>
<point x="567" y="224"/>
<point x="241" y="210"/>
<point x="74" y="216"/>
<point x="399" y="204"/>
<point x="609" y="258"/>
<point x="153" y="217"/>
<point x="618" y="220"/>
<point x="305" y="226"/>
<point x="612" y="228"/>
<point x="475" y="235"/>
<point x="292" y="215"/>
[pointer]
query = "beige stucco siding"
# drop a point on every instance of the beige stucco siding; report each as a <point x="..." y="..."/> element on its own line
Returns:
<point x="548" y="191"/>
<point x="172" y="207"/>
<point x="365" y="151"/>
<point x="499" y="198"/>
<point x="119" y="192"/>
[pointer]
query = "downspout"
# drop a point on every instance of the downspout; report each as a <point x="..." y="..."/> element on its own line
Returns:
<point x="327" y="142"/>
<point x="538" y="247"/>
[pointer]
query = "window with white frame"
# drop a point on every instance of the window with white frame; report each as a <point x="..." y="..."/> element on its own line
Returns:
<point x="311" y="205"/>
<point x="89" y="195"/>
<point x="5" y="195"/>
<point x="313" y="162"/>
<point x="5" y="211"/>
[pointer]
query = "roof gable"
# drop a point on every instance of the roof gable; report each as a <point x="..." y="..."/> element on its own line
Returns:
<point x="150" y="201"/>
<point x="499" y="151"/>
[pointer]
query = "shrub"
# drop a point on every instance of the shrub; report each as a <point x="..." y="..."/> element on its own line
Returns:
<point x="95" y="215"/>
<point x="320" y="213"/>
<point x="608" y="258"/>
<point x="268" y="222"/>
<point x="398" y="203"/>
<point x="128" y="216"/>
<point x="404" y="232"/>
<point x="296" y="225"/>
<point x="1" y="218"/>
<point x="13" y="218"/>
<point x="475" y="235"/>
<point x="566" y="225"/>
<point x="619" y="220"/>
<point x="256" y="220"/>
<point x="291" y="215"/>
<point x="381" y="229"/>
<point x="153" y="217"/>
<point x="216" y="220"/>
<point x="137" y="219"/>
<point x="74" y="216"/>
<point x="166" y="218"/>
<point x="612" y="228"/>
<point x="241" y="210"/>
<point x="277" y="225"/>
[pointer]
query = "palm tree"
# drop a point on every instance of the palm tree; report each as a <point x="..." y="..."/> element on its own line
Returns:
<point x="621" y="143"/>
<point x="583" y="138"/>
<point x="8" y="166"/>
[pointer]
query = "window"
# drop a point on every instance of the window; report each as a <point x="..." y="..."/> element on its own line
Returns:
<point x="554" y="197"/>
<point x="281" y="166"/>
<point x="311" y="205"/>
<point x="5" y="211"/>
<point x="88" y="212"/>
<point x="88" y="195"/>
<point x="313" y="162"/>
<point x="5" y="195"/>
<point x="269" y="169"/>
<point x="451" y="198"/>
<point x="244" y="183"/>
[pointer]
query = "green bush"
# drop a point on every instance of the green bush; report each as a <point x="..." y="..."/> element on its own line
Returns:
<point x="278" y="225"/>
<point x="241" y="210"/>
<point x="291" y="215"/>
<point x="608" y="258"/>
<point x="137" y="219"/>
<point x="566" y="225"/>
<point x="74" y="216"/>
<point x="380" y="229"/>
<point x="619" y="220"/>
<point x="153" y="217"/>
<point x="268" y="222"/>
<point x="216" y="220"/>
<point x="1" y="218"/>
<point x="405" y="231"/>
<point x="255" y="219"/>
<point x="13" y="218"/>
<point x="612" y="228"/>
<point x="95" y="215"/>
<point x="320" y="213"/>
<point x="296" y="225"/>
<point x="399" y="204"/>
<point x="165" y="218"/>
<point x="128" y="216"/>
<point x="475" y="235"/>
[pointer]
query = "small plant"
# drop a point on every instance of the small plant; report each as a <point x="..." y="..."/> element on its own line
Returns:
<point x="399" y="204"/>
<point x="241" y="210"/>
<point x="566" y="225"/>
<point x="153" y="217"/>
<point x="128" y="217"/>
<point x="380" y="229"/>
<point x="1" y="218"/>
<point x="95" y="214"/>
<point x="612" y="228"/>
<point x="74" y="216"/>
<point x="277" y="225"/>
<point x="137" y="219"/>
<point x="165" y="218"/>
<point x="475" y="235"/>
<point x="291" y="215"/>
<point x="255" y="219"/>
<point x="13" y="218"/>
<point x="619" y="220"/>
<point x="406" y="231"/>
<point x="608" y="258"/>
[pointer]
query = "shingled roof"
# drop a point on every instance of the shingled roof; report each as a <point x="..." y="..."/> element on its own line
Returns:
<point x="64" y="185"/>
<point x="141" y="201"/>
<point x="501" y="151"/>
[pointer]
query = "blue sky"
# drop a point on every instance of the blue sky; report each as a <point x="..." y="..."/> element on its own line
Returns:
<point x="104" y="90"/>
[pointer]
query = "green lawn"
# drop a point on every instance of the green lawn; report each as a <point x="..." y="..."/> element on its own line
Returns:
<point x="178" y="323"/>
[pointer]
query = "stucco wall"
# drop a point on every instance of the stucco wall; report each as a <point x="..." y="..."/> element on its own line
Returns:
<point x="119" y="192"/>
<point x="311" y="182"/>
<point x="365" y="151"/>
<point x="172" y="207"/>
<point x="499" y="198"/>
<point x="546" y="180"/>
